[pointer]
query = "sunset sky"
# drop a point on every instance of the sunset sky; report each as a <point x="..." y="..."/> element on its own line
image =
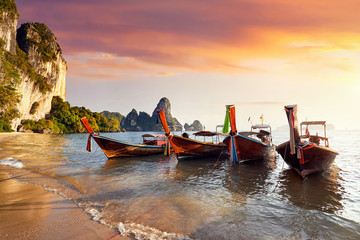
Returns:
<point x="257" y="54"/>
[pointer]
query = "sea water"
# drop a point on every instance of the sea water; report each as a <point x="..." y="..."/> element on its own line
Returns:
<point x="159" y="197"/>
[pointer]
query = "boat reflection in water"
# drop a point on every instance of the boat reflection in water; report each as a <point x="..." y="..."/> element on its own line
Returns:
<point x="323" y="191"/>
<point x="250" y="178"/>
<point x="114" y="163"/>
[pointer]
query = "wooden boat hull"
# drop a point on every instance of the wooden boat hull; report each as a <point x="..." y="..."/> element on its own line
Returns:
<point x="114" y="148"/>
<point x="186" y="147"/>
<point x="316" y="159"/>
<point x="249" y="149"/>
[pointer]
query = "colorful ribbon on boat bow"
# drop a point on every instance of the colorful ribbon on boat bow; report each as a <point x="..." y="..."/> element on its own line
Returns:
<point x="89" y="145"/>
<point x="230" y="118"/>
<point x="162" y="117"/>
<point x="233" y="150"/>
<point x="301" y="152"/>
<point x="167" y="146"/>
<point x="89" y="129"/>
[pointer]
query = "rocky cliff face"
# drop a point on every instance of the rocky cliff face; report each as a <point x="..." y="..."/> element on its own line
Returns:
<point x="195" y="126"/>
<point x="130" y="122"/>
<point x="37" y="41"/>
<point x="174" y="124"/>
<point x="31" y="63"/>
<point x="143" y="122"/>
<point x="8" y="19"/>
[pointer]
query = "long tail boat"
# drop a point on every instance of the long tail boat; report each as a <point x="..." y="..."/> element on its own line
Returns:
<point x="247" y="146"/>
<point x="186" y="147"/>
<point x="303" y="153"/>
<point x="152" y="144"/>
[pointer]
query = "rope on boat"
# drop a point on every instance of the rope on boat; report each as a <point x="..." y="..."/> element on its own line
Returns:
<point x="114" y="236"/>
<point x="222" y="150"/>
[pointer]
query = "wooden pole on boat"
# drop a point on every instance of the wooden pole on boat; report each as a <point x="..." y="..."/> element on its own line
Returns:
<point x="232" y="119"/>
<point x="233" y="131"/>
<point x="291" y="113"/>
<point x="163" y="121"/>
<point x="167" y="133"/>
<point x="89" y="129"/>
<point x="87" y="125"/>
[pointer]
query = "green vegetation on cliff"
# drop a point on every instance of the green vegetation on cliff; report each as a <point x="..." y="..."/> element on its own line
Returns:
<point x="14" y="63"/>
<point x="11" y="67"/>
<point x="8" y="6"/>
<point x="66" y="119"/>
<point x="8" y="94"/>
<point x="34" y="107"/>
<point x="8" y="99"/>
<point x="114" y="115"/>
<point x="38" y="36"/>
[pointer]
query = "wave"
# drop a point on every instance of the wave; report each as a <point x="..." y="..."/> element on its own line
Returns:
<point x="144" y="232"/>
<point x="136" y="230"/>
<point x="12" y="162"/>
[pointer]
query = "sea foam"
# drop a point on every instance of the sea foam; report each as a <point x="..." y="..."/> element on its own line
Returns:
<point x="12" y="162"/>
<point x="144" y="232"/>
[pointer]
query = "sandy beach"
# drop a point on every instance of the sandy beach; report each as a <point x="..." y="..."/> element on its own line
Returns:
<point x="30" y="212"/>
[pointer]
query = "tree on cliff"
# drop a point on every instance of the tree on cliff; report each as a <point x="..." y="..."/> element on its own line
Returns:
<point x="8" y="97"/>
<point x="66" y="119"/>
<point x="9" y="7"/>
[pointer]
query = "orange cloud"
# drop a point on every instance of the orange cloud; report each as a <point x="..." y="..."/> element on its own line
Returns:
<point x="199" y="36"/>
<point x="166" y="74"/>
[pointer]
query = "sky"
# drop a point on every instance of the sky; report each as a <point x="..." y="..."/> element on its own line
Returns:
<point x="202" y="55"/>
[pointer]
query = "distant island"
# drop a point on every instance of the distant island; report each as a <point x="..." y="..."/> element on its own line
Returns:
<point x="66" y="119"/>
<point x="195" y="126"/>
<point x="32" y="86"/>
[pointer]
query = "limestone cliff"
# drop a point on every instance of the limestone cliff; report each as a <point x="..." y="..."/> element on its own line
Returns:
<point x="30" y="63"/>
<point x="47" y="63"/>
<point x="174" y="124"/>
<point x="8" y="19"/>
<point x="142" y="121"/>
<point x="130" y="122"/>
<point x="195" y="126"/>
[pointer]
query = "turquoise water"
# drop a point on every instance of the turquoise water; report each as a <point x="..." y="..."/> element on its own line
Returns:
<point x="159" y="197"/>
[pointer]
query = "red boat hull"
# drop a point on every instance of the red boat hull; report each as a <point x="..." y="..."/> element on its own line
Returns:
<point x="251" y="149"/>
<point x="114" y="148"/>
<point x="316" y="159"/>
<point x="186" y="147"/>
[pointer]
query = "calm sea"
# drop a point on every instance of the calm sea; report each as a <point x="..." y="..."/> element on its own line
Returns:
<point x="157" y="197"/>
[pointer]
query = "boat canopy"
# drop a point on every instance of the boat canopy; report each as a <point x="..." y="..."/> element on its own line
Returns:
<point x="260" y="126"/>
<point x="314" y="138"/>
<point x="208" y="134"/>
<point x="153" y="135"/>
<point x="313" y="123"/>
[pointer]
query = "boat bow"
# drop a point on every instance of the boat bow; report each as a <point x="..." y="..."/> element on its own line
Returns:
<point x="91" y="133"/>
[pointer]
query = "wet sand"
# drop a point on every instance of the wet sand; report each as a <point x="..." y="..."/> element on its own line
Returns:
<point x="30" y="212"/>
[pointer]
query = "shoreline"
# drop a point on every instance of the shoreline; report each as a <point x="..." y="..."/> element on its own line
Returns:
<point x="31" y="212"/>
